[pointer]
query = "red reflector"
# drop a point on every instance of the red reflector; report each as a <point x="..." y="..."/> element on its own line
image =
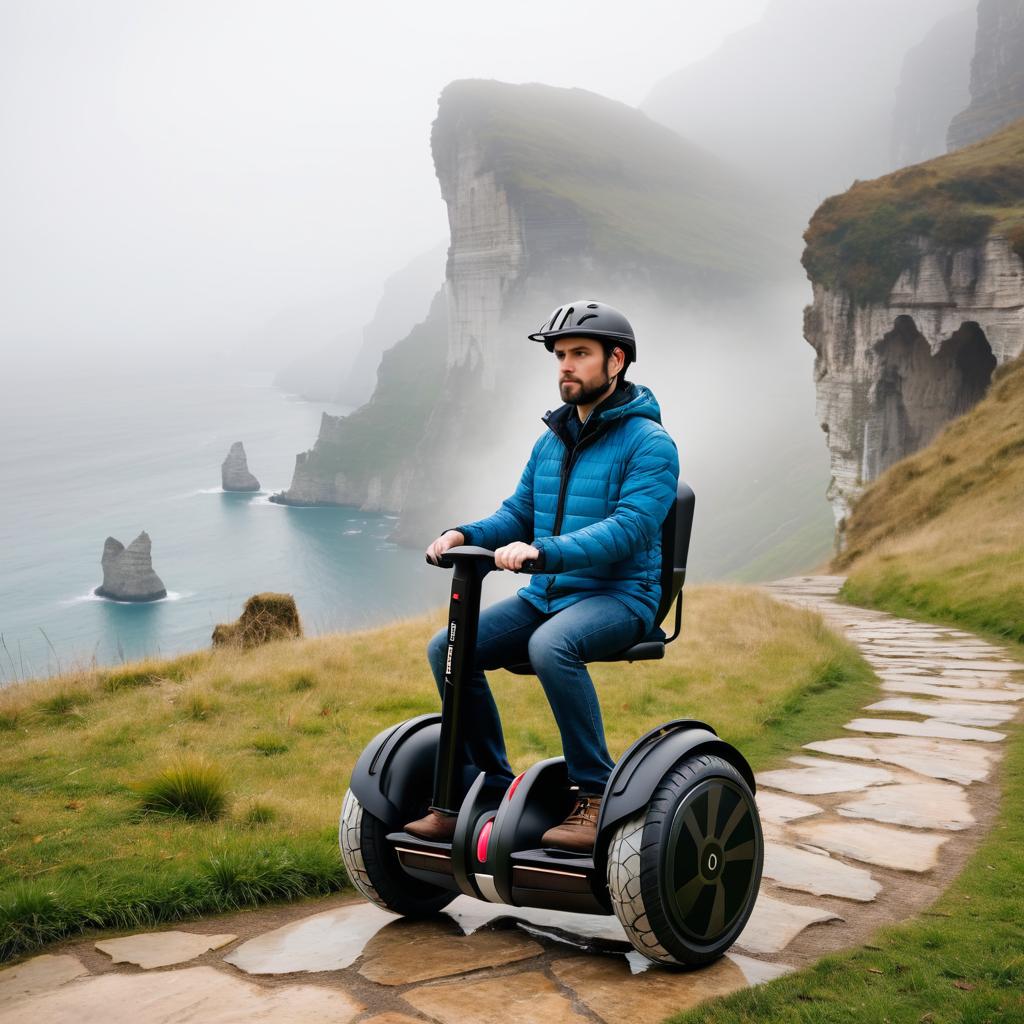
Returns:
<point x="512" y="788"/>
<point x="481" y="842"/>
<point x="455" y="597"/>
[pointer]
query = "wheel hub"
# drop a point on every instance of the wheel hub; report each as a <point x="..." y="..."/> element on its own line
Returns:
<point x="710" y="859"/>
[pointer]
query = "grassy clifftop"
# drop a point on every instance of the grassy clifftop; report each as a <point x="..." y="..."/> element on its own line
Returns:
<point x="649" y="198"/>
<point x="941" y="533"/>
<point x="862" y="240"/>
<point x="266" y="740"/>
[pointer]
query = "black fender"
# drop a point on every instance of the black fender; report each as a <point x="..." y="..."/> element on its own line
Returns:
<point x="540" y="800"/>
<point x="394" y="775"/>
<point x="642" y="767"/>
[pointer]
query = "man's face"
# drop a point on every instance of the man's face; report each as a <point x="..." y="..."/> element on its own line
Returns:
<point x="582" y="374"/>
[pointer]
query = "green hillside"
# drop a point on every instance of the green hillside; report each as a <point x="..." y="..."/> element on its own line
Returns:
<point x="941" y="534"/>
<point x="641" y="193"/>
<point x="862" y="240"/>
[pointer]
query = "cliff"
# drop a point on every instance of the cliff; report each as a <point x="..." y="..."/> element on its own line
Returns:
<point x="918" y="283"/>
<point x="934" y="85"/>
<point x="941" y="533"/>
<point x="997" y="73"/>
<point x="550" y="193"/>
<point x="795" y="96"/>
<point x="365" y="459"/>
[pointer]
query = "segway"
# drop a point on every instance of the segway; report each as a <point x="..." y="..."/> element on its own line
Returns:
<point x="679" y="847"/>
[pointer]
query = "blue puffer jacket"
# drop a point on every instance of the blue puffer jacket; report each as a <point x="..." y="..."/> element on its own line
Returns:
<point x="593" y="508"/>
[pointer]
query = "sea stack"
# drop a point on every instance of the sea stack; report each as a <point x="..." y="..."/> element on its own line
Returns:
<point x="234" y="471"/>
<point x="128" y="571"/>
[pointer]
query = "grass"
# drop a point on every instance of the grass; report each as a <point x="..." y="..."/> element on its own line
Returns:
<point x="862" y="240"/>
<point x="960" y="962"/>
<point x="76" y="853"/>
<point x="191" y="788"/>
<point x="937" y="537"/>
<point x="940" y="535"/>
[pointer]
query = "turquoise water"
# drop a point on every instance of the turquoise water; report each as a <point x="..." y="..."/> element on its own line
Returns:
<point x="82" y="457"/>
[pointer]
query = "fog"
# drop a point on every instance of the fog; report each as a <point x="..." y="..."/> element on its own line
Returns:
<point x="194" y="181"/>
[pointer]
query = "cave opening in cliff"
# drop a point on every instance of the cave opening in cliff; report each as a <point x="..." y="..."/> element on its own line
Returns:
<point x="916" y="393"/>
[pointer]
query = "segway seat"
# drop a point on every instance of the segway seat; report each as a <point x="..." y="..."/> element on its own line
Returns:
<point x="675" y="544"/>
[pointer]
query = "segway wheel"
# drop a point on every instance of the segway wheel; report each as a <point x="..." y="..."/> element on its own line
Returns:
<point x="683" y="873"/>
<point x="373" y="866"/>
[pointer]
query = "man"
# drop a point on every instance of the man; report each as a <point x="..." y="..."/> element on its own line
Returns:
<point x="589" y="509"/>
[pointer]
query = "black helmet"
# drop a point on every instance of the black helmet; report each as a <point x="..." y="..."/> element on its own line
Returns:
<point x="588" y="319"/>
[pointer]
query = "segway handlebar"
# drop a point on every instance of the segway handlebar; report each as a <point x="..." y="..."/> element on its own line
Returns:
<point x="447" y="560"/>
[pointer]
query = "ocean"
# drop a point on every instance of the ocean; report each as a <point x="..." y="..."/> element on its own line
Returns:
<point x="84" y="457"/>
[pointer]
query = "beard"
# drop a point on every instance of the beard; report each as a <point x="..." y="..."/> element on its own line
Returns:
<point x="585" y="395"/>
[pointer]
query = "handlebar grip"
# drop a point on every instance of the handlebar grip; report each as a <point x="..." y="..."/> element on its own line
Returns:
<point x="442" y="563"/>
<point x="530" y="565"/>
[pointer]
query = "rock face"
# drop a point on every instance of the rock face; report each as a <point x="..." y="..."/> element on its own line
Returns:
<point x="815" y="114"/>
<point x="934" y="85"/>
<point x="234" y="471"/>
<point x="128" y="571"/>
<point x="366" y="459"/>
<point x="997" y="73"/>
<point x="890" y="374"/>
<point x="528" y="229"/>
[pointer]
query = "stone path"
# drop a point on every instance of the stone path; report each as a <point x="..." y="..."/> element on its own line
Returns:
<point x="865" y="828"/>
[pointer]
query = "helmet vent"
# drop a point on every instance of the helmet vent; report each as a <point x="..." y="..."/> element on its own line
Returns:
<point x="554" y="317"/>
<point x="592" y="305"/>
<point x="586" y="316"/>
<point x="568" y="313"/>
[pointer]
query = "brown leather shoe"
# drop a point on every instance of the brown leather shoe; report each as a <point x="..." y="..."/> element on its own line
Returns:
<point x="434" y="827"/>
<point x="579" y="831"/>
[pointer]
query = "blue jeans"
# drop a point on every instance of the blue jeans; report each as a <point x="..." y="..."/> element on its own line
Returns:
<point x="512" y="632"/>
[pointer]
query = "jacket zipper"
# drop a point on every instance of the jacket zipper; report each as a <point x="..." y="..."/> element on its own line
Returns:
<point x="567" y="464"/>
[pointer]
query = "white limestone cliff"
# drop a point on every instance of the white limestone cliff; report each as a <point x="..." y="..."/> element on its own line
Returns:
<point x="889" y="375"/>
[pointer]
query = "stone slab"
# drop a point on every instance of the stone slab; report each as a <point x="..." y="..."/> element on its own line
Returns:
<point x="817" y="874"/>
<point x="918" y="805"/>
<point x="327" y="941"/>
<point x="875" y="844"/>
<point x="773" y="924"/>
<point x="40" y="974"/>
<point x="969" y="693"/>
<point x="409" y="951"/>
<point x="821" y="776"/>
<point x="161" y="949"/>
<point x="931" y="727"/>
<point x="525" y="998"/>
<point x="957" y="712"/>
<point x="776" y="807"/>
<point x="940" y="759"/>
<point x="192" y="995"/>
<point x="606" y="986"/>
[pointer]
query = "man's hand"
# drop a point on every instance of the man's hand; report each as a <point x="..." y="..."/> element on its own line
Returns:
<point x="449" y="539"/>
<point x="512" y="556"/>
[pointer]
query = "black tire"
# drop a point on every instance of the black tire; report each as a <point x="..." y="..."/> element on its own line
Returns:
<point x="373" y="866"/>
<point x="683" y="893"/>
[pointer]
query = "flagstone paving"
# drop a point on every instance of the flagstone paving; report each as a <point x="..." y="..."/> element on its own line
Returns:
<point x="161" y="949"/>
<point x="897" y="809"/>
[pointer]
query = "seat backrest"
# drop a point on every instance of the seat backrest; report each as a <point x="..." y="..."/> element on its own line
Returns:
<point x="675" y="544"/>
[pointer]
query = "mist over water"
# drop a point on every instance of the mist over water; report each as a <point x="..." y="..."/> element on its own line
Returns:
<point x="85" y="458"/>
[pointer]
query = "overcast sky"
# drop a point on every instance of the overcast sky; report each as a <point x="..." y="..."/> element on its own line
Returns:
<point x="176" y="175"/>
